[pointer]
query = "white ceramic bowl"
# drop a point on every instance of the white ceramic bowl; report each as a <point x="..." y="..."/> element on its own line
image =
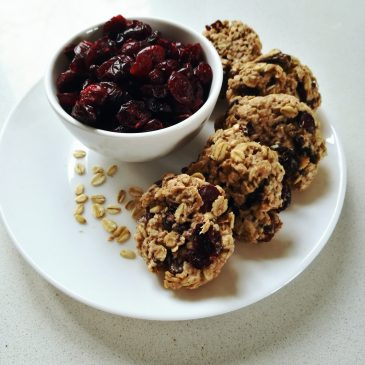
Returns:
<point x="137" y="147"/>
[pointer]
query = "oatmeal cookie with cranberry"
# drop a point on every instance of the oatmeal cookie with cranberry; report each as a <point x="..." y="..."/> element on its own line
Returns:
<point x="252" y="178"/>
<point x="274" y="73"/>
<point x="186" y="231"/>
<point x="286" y="125"/>
<point x="234" y="41"/>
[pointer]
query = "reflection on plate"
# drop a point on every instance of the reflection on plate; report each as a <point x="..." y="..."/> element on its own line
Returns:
<point x="37" y="203"/>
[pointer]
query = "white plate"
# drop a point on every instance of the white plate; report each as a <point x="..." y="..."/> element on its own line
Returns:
<point x="37" y="203"/>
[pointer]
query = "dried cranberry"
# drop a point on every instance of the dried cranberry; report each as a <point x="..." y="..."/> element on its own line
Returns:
<point x="204" y="73"/>
<point x="269" y="229"/>
<point x="173" y="264"/>
<point x="132" y="47"/>
<point x="306" y="121"/>
<point x="94" y="95"/>
<point x="156" y="76"/>
<point x="115" y="69"/>
<point x="138" y="30"/>
<point x="285" y="195"/>
<point x="84" y="55"/>
<point x="209" y="193"/>
<point x="287" y="159"/>
<point x="198" y="95"/>
<point x="168" y="66"/>
<point x="68" y="100"/>
<point x="87" y="114"/>
<point x="155" y="35"/>
<point x="152" y="125"/>
<point x="248" y="129"/>
<point x="142" y="66"/>
<point x="156" y="53"/>
<point x="133" y="113"/>
<point x="192" y="53"/>
<point x="301" y="92"/>
<point x="206" y="247"/>
<point x="187" y="70"/>
<point x="158" y="106"/>
<point x="115" y="95"/>
<point x="114" y="26"/>
<point x="169" y="219"/>
<point x="180" y="88"/>
<point x="69" y="81"/>
<point x="281" y="59"/>
<point x="256" y="196"/>
<point x="104" y="49"/>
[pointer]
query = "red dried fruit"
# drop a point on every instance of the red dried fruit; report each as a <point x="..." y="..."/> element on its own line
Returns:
<point x="84" y="54"/>
<point x="152" y="125"/>
<point x="180" y="88"/>
<point x="206" y="247"/>
<point x="133" y="114"/>
<point x="69" y="81"/>
<point x="114" y="26"/>
<point x="68" y="100"/>
<point x="156" y="76"/>
<point x="168" y="66"/>
<point x="85" y="113"/>
<point x="94" y="95"/>
<point x="141" y="67"/>
<point x="115" y="69"/>
<point x="132" y="47"/>
<point x="137" y="30"/>
<point x="209" y="193"/>
<point x="204" y="73"/>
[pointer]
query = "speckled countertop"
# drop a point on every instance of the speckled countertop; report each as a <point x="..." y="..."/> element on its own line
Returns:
<point x="318" y="318"/>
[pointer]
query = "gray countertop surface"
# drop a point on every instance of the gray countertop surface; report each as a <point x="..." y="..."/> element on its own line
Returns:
<point x="318" y="318"/>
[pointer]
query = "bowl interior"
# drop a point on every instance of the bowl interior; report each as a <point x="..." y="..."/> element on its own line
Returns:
<point x="169" y="30"/>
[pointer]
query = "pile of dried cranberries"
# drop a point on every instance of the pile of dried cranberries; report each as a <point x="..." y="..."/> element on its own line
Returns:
<point x="132" y="79"/>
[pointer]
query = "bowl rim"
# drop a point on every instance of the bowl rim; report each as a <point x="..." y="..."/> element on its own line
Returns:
<point x="194" y="118"/>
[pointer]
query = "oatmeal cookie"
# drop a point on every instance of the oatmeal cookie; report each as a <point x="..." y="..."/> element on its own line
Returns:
<point x="286" y="125"/>
<point x="251" y="176"/>
<point x="234" y="41"/>
<point x="186" y="231"/>
<point x="274" y="73"/>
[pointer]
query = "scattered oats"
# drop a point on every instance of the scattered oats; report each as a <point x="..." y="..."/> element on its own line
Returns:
<point x="82" y="198"/>
<point x="113" y="209"/>
<point x="79" y="154"/>
<point x="97" y="210"/>
<point x="98" y="179"/>
<point x="118" y="231"/>
<point x="97" y="169"/>
<point x="121" y="196"/>
<point x="80" y="169"/>
<point x="109" y="225"/>
<point x="98" y="198"/>
<point x="112" y="170"/>
<point x="135" y="192"/>
<point x="79" y="189"/>
<point x="128" y="254"/>
<point x="137" y="212"/>
<point x="79" y="209"/>
<point x="123" y="236"/>
<point x="80" y="218"/>
<point x="131" y="204"/>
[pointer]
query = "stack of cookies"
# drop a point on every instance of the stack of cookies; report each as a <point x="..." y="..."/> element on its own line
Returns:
<point x="268" y="144"/>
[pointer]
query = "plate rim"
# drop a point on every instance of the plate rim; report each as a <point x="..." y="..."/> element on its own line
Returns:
<point x="307" y="260"/>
